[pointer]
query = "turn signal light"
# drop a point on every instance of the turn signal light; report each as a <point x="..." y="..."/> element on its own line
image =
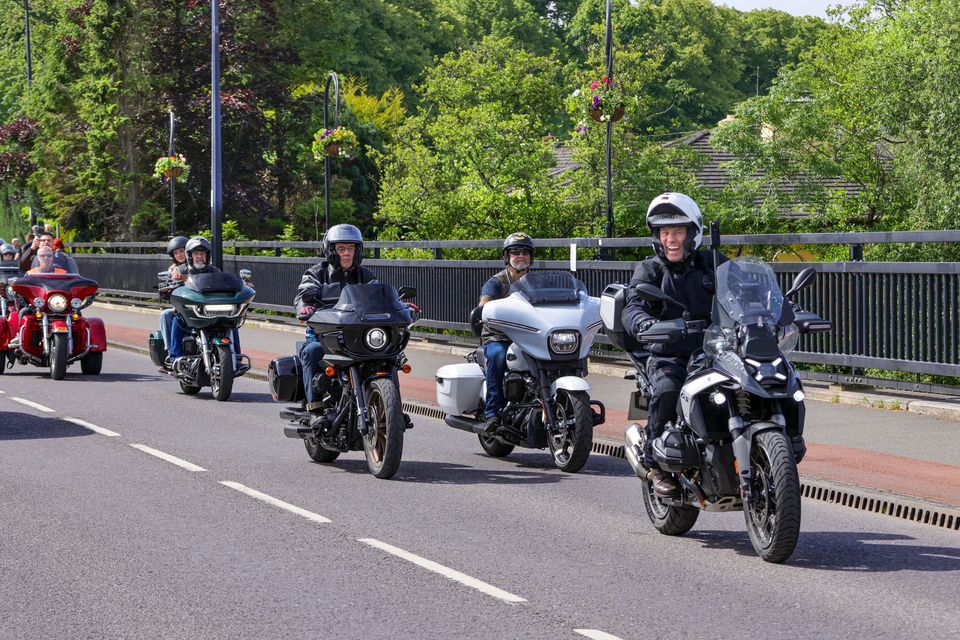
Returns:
<point x="330" y="371"/>
<point x="406" y="368"/>
<point x="76" y="316"/>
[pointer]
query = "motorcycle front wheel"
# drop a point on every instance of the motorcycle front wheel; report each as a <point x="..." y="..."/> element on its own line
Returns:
<point x="222" y="383"/>
<point x="571" y="446"/>
<point x="58" y="356"/>
<point x="773" y="518"/>
<point x="383" y="444"/>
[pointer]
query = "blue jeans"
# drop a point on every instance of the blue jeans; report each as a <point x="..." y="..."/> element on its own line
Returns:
<point x="178" y="330"/>
<point x="496" y="354"/>
<point x="166" y="324"/>
<point x="311" y="353"/>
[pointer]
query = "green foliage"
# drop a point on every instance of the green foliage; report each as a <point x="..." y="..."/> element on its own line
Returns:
<point x="169" y="164"/>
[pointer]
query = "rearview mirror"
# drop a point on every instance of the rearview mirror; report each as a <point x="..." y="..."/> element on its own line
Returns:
<point x="803" y="280"/>
<point x="476" y="321"/>
<point x="651" y="293"/>
<point x="407" y="293"/>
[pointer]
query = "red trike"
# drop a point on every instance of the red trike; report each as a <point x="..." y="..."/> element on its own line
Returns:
<point x="52" y="332"/>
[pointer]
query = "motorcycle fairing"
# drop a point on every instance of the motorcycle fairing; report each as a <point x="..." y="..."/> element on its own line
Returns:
<point x="98" y="334"/>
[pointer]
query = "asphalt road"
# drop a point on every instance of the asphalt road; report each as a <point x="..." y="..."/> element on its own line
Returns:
<point x="100" y="538"/>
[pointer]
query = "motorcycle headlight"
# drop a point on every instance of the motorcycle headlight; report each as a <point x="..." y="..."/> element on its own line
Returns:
<point x="57" y="303"/>
<point x="788" y="339"/>
<point x="38" y="302"/>
<point x="76" y="303"/>
<point x="375" y="339"/>
<point x="564" y="342"/>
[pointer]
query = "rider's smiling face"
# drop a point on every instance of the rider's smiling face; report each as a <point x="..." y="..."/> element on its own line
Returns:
<point x="672" y="239"/>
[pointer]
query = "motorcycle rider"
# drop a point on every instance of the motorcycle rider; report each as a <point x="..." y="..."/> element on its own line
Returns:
<point x="176" y="249"/>
<point x="686" y="275"/>
<point x="319" y="288"/>
<point x="198" y="252"/>
<point x="7" y="252"/>
<point x="44" y="238"/>
<point x="45" y="262"/>
<point x="518" y="251"/>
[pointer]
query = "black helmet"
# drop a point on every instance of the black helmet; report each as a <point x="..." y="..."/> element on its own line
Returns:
<point x="7" y="248"/>
<point x="178" y="242"/>
<point x="197" y="243"/>
<point x="340" y="233"/>
<point x="518" y="240"/>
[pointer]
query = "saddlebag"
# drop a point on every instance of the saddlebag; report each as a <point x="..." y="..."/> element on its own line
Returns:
<point x="676" y="451"/>
<point x="612" y="301"/>
<point x="158" y="352"/>
<point x="459" y="388"/>
<point x="286" y="379"/>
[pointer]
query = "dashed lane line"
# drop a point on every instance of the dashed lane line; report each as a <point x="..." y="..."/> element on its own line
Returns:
<point x="595" y="634"/>
<point x="93" y="427"/>
<point x="189" y="466"/>
<point x="253" y="493"/>
<point x="38" y="407"/>
<point x="446" y="572"/>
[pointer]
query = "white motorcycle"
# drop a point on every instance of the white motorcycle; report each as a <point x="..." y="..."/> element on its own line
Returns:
<point x="551" y="321"/>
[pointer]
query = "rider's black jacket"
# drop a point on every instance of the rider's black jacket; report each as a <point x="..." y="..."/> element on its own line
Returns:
<point x="691" y="282"/>
<point x="321" y="285"/>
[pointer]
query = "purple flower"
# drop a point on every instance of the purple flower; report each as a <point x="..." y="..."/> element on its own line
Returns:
<point x="596" y="101"/>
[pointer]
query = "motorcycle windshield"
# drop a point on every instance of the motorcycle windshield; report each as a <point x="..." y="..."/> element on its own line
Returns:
<point x="748" y="291"/>
<point x="217" y="282"/>
<point x="9" y="269"/>
<point x="373" y="301"/>
<point x="549" y="287"/>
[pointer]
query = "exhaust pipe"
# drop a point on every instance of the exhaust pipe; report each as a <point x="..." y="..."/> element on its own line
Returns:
<point x="633" y="449"/>
<point x="464" y="424"/>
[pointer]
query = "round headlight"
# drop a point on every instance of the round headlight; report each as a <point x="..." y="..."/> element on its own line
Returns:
<point x="38" y="302"/>
<point x="57" y="303"/>
<point x="376" y="339"/>
<point x="76" y="302"/>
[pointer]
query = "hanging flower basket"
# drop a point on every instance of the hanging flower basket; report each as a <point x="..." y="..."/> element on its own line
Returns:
<point x="171" y="167"/>
<point x="337" y="143"/>
<point x="597" y="114"/>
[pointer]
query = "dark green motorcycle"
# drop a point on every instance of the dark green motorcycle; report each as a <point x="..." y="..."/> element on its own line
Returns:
<point x="212" y="306"/>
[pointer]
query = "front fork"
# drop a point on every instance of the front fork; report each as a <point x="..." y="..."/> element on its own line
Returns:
<point x="48" y="332"/>
<point x="743" y="444"/>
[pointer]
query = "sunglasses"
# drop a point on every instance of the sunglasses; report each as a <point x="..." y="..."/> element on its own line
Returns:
<point x="519" y="252"/>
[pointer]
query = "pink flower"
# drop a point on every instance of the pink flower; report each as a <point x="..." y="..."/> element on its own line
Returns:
<point x="594" y="85"/>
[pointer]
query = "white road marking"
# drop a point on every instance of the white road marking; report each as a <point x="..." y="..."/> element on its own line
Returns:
<point x="189" y="466"/>
<point x="93" y="427"/>
<point x="594" y="634"/>
<point x="446" y="572"/>
<point x="38" y="407"/>
<point x="253" y="493"/>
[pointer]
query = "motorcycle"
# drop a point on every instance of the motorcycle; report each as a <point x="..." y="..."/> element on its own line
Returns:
<point x="51" y="330"/>
<point x="363" y="337"/>
<point x="738" y="436"/>
<point x="211" y="306"/>
<point x="9" y="314"/>
<point x="551" y="321"/>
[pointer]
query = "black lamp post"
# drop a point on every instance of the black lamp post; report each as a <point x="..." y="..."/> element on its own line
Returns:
<point x="331" y="78"/>
<point x="216" y="178"/>
<point x="173" y="183"/>
<point x="26" y="13"/>
<point x="606" y="254"/>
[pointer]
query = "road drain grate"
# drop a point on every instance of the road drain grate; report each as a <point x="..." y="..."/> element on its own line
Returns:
<point x="833" y="493"/>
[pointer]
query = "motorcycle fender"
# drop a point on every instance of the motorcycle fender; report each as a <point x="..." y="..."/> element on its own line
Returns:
<point x="569" y="383"/>
<point x="98" y="334"/>
<point x="59" y="326"/>
<point x="4" y="335"/>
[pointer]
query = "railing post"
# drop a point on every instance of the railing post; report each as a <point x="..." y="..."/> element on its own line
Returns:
<point x="858" y="309"/>
<point x="437" y="253"/>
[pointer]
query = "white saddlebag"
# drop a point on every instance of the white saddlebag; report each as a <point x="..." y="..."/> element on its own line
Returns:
<point x="459" y="388"/>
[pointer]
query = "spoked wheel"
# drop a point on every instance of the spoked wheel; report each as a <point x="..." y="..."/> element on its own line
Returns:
<point x="318" y="453"/>
<point x="773" y="518"/>
<point x="571" y="447"/>
<point x="495" y="448"/>
<point x="667" y="519"/>
<point x="222" y="383"/>
<point x="383" y="444"/>
<point x="58" y="356"/>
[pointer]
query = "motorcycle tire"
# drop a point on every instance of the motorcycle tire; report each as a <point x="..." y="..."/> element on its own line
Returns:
<point x="58" y="356"/>
<point x="383" y="444"/>
<point x="222" y="383"/>
<point x="318" y="453"/>
<point x="667" y="519"/>
<point x="572" y="447"/>
<point x="3" y="361"/>
<point x="773" y="518"/>
<point x="189" y="389"/>
<point x="92" y="363"/>
<point x="493" y="447"/>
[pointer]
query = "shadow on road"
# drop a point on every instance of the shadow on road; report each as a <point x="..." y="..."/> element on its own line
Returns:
<point x="860" y="551"/>
<point x="24" y="426"/>
<point x="597" y="465"/>
<point x="74" y="375"/>
<point x="236" y="398"/>
<point x="418" y="471"/>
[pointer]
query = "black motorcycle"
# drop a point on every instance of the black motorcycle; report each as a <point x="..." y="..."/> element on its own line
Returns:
<point x="738" y="436"/>
<point x="212" y="306"/>
<point x="363" y="337"/>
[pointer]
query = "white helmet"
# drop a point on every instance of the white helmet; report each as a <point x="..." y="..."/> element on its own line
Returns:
<point x="675" y="210"/>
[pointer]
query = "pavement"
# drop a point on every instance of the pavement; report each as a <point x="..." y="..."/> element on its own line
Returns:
<point x="901" y="445"/>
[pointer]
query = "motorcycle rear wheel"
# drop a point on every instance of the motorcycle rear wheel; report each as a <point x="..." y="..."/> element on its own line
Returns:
<point x="572" y="446"/>
<point x="222" y="383"/>
<point x="92" y="363"/>
<point x="773" y="518"/>
<point x="189" y="389"/>
<point x="318" y="453"/>
<point x="383" y="444"/>
<point x="495" y="448"/>
<point x="4" y="355"/>
<point x="58" y="356"/>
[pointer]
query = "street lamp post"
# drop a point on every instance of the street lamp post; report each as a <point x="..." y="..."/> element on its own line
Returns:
<point x="331" y="78"/>
<point x="216" y="178"/>
<point x="173" y="183"/>
<point x="605" y="253"/>
<point x="26" y="13"/>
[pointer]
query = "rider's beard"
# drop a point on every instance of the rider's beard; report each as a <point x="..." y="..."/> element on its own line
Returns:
<point x="523" y="265"/>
